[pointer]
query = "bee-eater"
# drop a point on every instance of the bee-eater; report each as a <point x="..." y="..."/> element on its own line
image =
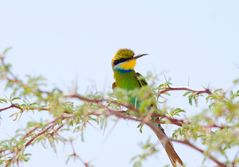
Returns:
<point x="123" y="64"/>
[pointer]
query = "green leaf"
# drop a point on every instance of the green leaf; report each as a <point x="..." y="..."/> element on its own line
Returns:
<point x="176" y="112"/>
<point x="3" y="100"/>
<point x="5" y="51"/>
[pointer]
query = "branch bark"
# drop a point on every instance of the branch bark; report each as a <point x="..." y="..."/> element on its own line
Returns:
<point x="197" y="92"/>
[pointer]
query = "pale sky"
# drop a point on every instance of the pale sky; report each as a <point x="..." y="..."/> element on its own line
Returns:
<point x="193" y="42"/>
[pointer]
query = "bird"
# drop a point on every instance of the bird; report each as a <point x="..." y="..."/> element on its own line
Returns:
<point x="125" y="76"/>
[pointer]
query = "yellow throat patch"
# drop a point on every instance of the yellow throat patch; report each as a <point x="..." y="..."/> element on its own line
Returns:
<point x="128" y="65"/>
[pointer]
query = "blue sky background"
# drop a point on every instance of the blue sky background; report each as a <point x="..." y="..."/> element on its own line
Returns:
<point x="193" y="42"/>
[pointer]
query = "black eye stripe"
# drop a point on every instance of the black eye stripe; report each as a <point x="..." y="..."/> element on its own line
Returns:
<point x="120" y="61"/>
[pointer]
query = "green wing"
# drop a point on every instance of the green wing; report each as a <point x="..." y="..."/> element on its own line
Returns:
<point x="141" y="79"/>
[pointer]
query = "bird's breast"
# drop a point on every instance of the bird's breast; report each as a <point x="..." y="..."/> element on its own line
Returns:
<point x="126" y="79"/>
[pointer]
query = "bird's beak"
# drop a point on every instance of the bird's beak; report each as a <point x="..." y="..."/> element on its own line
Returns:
<point x="138" y="56"/>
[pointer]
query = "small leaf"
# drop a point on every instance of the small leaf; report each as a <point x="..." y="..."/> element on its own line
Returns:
<point x="6" y="51"/>
<point x="2" y="100"/>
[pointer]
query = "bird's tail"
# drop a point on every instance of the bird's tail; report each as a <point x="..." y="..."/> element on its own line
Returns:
<point x="173" y="156"/>
<point x="168" y="146"/>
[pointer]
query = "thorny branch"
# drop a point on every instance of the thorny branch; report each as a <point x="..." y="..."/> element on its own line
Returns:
<point x="74" y="154"/>
<point x="197" y="92"/>
<point x="36" y="132"/>
<point x="150" y="124"/>
<point x="186" y="142"/>
<point x="49" y="128"/>
<point x="20" y="108"/>
<point x="180" y="122"/>
<point x="110" y="112"/>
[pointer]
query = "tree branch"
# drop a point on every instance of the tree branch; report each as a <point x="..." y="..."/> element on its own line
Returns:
<point x="197" y="92"/>
<point x="186" y="142"/>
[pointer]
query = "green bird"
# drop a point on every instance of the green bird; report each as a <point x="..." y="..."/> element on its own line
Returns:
<point x="123" y="64"/>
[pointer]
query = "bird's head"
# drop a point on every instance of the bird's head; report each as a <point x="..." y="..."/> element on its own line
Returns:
<point x="125" y="59"/>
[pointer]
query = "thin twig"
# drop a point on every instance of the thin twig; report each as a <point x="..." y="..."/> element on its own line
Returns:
<point x="197" y="92"/>
<point x="186" y="142"/>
